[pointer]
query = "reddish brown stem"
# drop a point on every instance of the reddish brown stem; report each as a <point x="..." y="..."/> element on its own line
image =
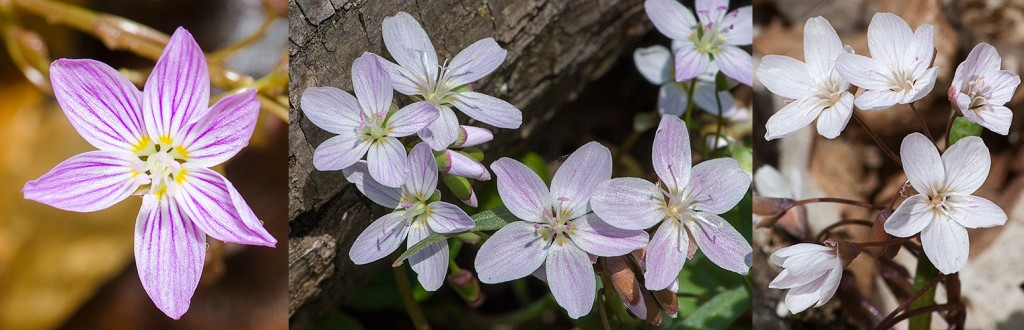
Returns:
<point x="924" y="125"/>
<point x="825" y="231"/>
<point x="838" y="200"/>
<point x="888" y="321"/>
<point x="878" y="140"/>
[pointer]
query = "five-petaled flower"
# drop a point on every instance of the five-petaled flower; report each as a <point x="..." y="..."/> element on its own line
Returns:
<point x="815" y="88"/>
<point x="559" y="231"/>
<point x="944" y="206"/>
<point x="811" y="272"/>
<point x="687" y="209"/>
<point x="445" y="86"/>
<point x="418" y="213"/>
<point x="715" y="39"/>
<point x="979" y="89"/>
<point x="365" y="125"/>
<point x="159" y="143"/>
<point x="899" y="70"/>
<point x="656" y="65"/>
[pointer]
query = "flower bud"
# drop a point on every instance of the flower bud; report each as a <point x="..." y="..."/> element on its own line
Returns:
<point x="768" y="206"/>
<point x="459" y="164"/>
<point x="471" y="136"/>
<point x="467" y="286"/>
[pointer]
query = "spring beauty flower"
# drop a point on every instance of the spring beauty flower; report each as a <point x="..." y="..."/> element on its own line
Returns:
<point x="365" y="124"/>
<point x="815" y="88"/>
<point x="899" y="69"/>
<point x="714" y="37"/>
<point x="980" y="89"/>
<point x="811" y="273"/>
<point x="558" y="232"/>
<point x="656" y="65"/>
<point x="687" y="207"/>
<point x="417" y="214"/>
<point x="944" y="208"/>
<point x="445" y="86"/>
<point x="158" y="143"/>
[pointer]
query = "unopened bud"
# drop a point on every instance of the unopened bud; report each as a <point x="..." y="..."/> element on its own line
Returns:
<point x="769" y="206"/>
<point x="846" y="250"/>
<point x="878" y="234"/>
<point x="467" y="286"/>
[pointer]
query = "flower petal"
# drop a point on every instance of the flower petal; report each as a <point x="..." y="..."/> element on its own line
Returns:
<point x="443" y="131"/>
<point x="690" y="63"/>
<point x="522" y="191"/>
<point x="966" y="164"/>
<point x="711" y="10"/>
<point x="471" y="136"/>
<point x="412" y="118"/>
<point x="672" y="99"/>
<point x="601" y="239"/>
<point x="862" y="71"/>
<point x="571" y="278"/>
<point x="339" y="152"/>
<point x="169" y="254"/>
<point x="738" y="26"/>
<point x="791" y="118"/>
<point x="409" y="44"/>
<point x="780" y="256"/>
<point x="769" y="182"/>
<point x="178" y="91"/>
<point x="995" y="118"/>
<point x="981" y="213"/>
<point x="704" y="98"/>
<point x="462" y="165"/>
<point x="666" y="253"/>
<point x="922" y="164"/>
<point x="671" y="153"/>
<point x="222" y="132"/>
<point x="379" y="239"/>
<point x="832" y="121"/>
<point x="718" y="184"/>
<point x="331" y="109"/>
<point x="821" y="46"/>
<point x="628" y="203"/>
<point x="86" y="182"/>
<point x="922" y="86"/>
<point x="921" y="49"/>
<point x="359" y="175"/>
<point x="736" y="64"/>
<point x="513" y="252"/>
<point x="784" y="76"/>
<point x="475" y="62"/>
<point x="670" y="18"/>
<point x="103" y="106"/>
<point x="831" y="283"/>
<point x="654" y="63"/>
<point x="402" y="79"/>
<point x="789" y="280"/>
<point x="388" y="162"/>
<point x="431" y="262"/>
<point x="801" y="298"/>
<point x="721" y="243"/>
<point x="910" y="217"/>
<point x="878" y="99"/>
<point x="982" y="60"/>
<point x="372" y="85"/>
<point x="216" y="207"/>
<point x="489" y="110"/>
<point x="422" y="178"/>
<point x="447" y="218"/>
<point x="1001" y="86"/>
<point x="888" y="37"/>
<point x="946" y="245"/>
<point x="575" y="180"/>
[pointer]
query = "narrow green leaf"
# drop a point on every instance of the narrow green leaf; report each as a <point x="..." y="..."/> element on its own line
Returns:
<point x="925" y="272"/>
<point x="489" y="220"/>
<point x="720" y="311"/>
<point x="963" y="128"/>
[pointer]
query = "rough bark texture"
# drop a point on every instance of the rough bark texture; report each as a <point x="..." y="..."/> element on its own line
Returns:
<point x="555" y="48"/>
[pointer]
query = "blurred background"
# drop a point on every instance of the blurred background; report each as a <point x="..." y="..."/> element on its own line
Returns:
<point x="853" y="167"/>
<point x="63" y="269"/>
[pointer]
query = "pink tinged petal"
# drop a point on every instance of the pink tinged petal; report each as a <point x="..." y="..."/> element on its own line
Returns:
<point x="522" y="191"/>
<point x="738" y="26"/>
<point x="602" y="239"/>
<point x="443" y="131"/>
<point x="571" y="278"/>
<point x="780" y="256"/>
<point x="784" y="76"/>
<point x="409" y="44"/>
<point x="821" y="46"/>
<point x="946" y="245"/>
<point x="721" y="243"/>
<point x="982" y="60"/>
<point x="216" y="207"/>
<point x="169" y="253"/>
<point x="379" y="239"/>
<point x="488" y="109"/>
<point x="672" y="99"/>
<point x="388" y="162"/>
<point x="670" y="18"/>
<point x="223" y="131"/>
<point x="832" y="121"/>
<point x="862" y="71"/>
<point x="981" y="213"/>
<point x="639" y="309"/>
<point x="922" y="164"/>
<point x="711" y="10"/>
<point x="689" y="62"/>
<point x="359" y="175"/>
<point x="462" y="165"/>
<point x="475" y="62"/>
<point x="966" y="164"/>
<point x="422" y="178"/>
<point x="671" y="153"/>
<point x="472" y="200"/>
<point x="339" y="152"/>
<point x="575" y="180"/>
<point x="1001" y="85"/>
<point x="911" y="217"/>
<point x="402" y="79"/>
<point x="654" y="63"/>
<point x="430" y="263"/>
<point x="736" y="64"/>
<point x="86" y="182"/>
<point x="791" y="118"/>
<point x="372" y="85"/>
<point x="628" y="203"/>
<point x="513" y="252"/>
<point x="666" y="254"/>
<point x="471" y="136"/>
<point x="102" y="105"/>
<point x="995" y="118"/>
<point x="177" y="93"/>
<point x="716" y="185"/>
<point x="888" y="37"/>
<point x="447" y="218"/>
<point x="412" y="118"/>
<point x="801" y="298"/>
<point x="331" y="109"/>
<point x="878" y="99"/>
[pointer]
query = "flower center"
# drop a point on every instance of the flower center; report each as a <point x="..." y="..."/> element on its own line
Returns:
<point x="375" y="128"/>
<point x="160" y="167"/>
<point x="976" y="90"/>
<point x="902" y="81"/>
<point x="556" y="226"/>
<point x="707" y="39"/>
<point x="942" y="203"/>
<point x="436" y="88"/>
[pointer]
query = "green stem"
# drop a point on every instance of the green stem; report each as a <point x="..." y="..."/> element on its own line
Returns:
<point x="411" y="307"/>
<point x="689" y="104"/>
<point x="718" y="130"/>
<point x="924" y="274"/>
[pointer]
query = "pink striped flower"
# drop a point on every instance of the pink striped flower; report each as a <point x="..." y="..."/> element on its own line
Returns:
<point x="713" y="38"/>
<point x="158" y="143"/>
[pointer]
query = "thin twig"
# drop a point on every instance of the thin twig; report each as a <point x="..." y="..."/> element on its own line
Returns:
<point x="825" y="231"/>
<point x="924" y="125"/>
<point x="838" y="200"/>
<point x="898" y="240"/>
<point x="906" y="304"/>
<point x="878" y="140"/>
<point x="949" y="128"/>
<point x="918" y="311"/>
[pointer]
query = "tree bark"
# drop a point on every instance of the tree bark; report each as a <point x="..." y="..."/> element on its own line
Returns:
<point x="555" y="48"/>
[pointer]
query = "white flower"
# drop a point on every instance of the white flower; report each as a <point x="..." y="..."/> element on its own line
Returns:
<point x="980" y="89"/>
<point x="816" y="89"/>
<point x="811" y="273"/>
<point x="944" y="206"/>
<point x="898" y="70"/>
<point x="713" y="37"/>
<point x="655" y="64"/>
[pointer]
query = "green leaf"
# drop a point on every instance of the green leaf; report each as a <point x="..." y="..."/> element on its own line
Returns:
<point x="924" y="274"/>
<point x="459" y="186"/>
<point x="720" y="311"/>
<point x="963" y="128"/>
<point x="489" y="220"/>
<point x="536" y="163"/>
